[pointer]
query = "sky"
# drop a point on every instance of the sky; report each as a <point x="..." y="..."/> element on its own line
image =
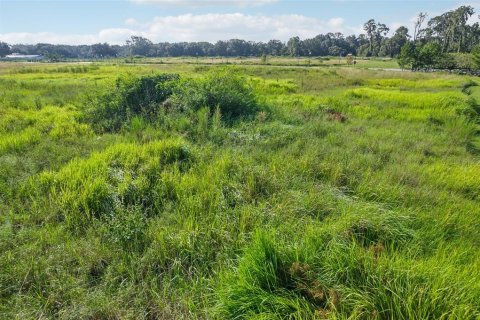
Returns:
<point x="114" y="21"/>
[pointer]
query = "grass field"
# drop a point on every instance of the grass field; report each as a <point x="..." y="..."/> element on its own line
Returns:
<point x="361" y="62"/>
<point x="338" y="193"/>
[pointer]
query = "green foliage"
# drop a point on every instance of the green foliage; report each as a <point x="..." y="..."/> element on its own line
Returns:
<point x="425" y="57"/>
<point x="132" y="96"/>
<point x="476" y="57"/>
<point x="465" y="61"/>
<point x="21" y="129"/>
<point x="4" y="49"/>
<point x="428" y="56"/>
<point x="406" y="58"/>
<point x="128" y="229"/>
<point x="225" y="89"/>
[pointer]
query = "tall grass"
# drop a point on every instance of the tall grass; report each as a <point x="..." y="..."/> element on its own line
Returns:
<point x="117" y="179"/>
<point x="269" y="193"/>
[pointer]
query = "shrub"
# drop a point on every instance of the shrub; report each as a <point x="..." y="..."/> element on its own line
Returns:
<point x="223" y="88"/>
<point x="425" y="57"/>
<point x="132" y="96"/>
<point x="464" y="61"/>
<point x="127" y="228"/>
<point x="476" y="57"/>
<point x="146" y="96"/>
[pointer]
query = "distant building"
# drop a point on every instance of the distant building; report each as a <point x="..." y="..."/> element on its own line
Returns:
<point x="23" y="57"/>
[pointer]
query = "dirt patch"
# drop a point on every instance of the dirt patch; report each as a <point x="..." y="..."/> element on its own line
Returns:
<point x="335" y="115"/>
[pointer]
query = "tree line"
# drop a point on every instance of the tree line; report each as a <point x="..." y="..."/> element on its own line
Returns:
<point x="444" y="34"/>
<point x="438" y="43"/>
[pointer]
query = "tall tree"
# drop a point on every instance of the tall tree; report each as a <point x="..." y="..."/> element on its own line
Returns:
<point x="396" y="42"/>
<point x="293" y="46"/>
<point x="139" y="46"/>
<point x="376" y="32"/>
<point x="4" y="49"/>
<point x="451" y="29"/>
<point x="102" y="50"/>
<point x="407" y="56"/>
<point x="275" y="47"/>
<point x="370" y="28"/>
<point x="418" y="25"/>
<point x="462" y="15"/>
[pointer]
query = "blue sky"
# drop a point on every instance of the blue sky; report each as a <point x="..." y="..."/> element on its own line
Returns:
<point x="91" y="21"/>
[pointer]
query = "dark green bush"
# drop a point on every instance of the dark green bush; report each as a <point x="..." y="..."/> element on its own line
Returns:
<point x="145" y="96"/>
<point x="131" y="96"/>
<point x="126" y="227"/>
<point x="223" y="88"/>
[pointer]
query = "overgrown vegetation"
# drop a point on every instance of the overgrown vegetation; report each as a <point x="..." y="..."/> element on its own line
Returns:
<point x="226" y="90"/>
<point x="161" y="95"/>
<point x="132" y="96"/>
<point x="254" y="192"/>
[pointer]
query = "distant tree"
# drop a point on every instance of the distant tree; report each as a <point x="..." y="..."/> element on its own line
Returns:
<point x="445" y="61"/>
<point x="293" y="46"/>
<point x="418" y="56"/>
<point x="220" y="48"/>
<point x="102" y="50"/>
<point x="472" y="37"/>
<point x="370" y="28"/>
<point x="352" y="43"/>
<point x="275" y="47"/>
<point x="429" y="55"/>
<point x="140" y="46"/>
<point x="451" y="30"/>
<point x="237" y="47"/>
<point x="175" y="50"/>
<point x="418" y="24"/>
<point x="407" y="57"/>
<point x="462" y="15"/>
<point x="335" y="50"/>
<point x="4" y="49"/>
<point x="393" y="45"/>
<point x="425" y="56"/>
<point x="54" y="57"/>
<point x="376" y="32"/>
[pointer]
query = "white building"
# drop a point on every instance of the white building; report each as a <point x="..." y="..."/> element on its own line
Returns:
<point x="23" y="57"/>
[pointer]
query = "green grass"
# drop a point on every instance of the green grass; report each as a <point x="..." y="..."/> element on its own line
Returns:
<point x="349" y="194"/>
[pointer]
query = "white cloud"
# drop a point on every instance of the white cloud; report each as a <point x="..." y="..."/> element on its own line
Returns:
<point x="202" y="3"/>
<point x="45" y="37"/>
<point x="212" y="27"/>
<point x="204" y="27"/>
<point x="131" y="22"/>
<point x="336" y="22"/>
<point x="112" y="36"/>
